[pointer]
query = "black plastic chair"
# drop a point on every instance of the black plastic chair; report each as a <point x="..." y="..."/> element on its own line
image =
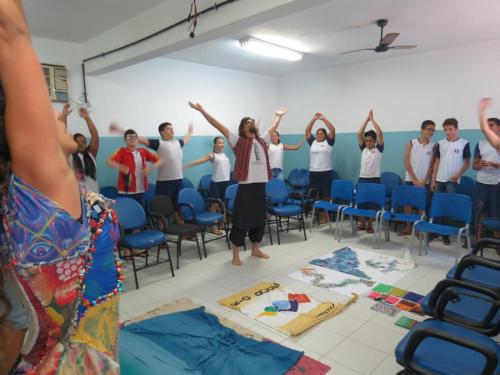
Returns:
<point x="162" y="216"/>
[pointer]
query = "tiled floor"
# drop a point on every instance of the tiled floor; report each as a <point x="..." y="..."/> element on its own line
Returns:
<point x="358" y="341"/>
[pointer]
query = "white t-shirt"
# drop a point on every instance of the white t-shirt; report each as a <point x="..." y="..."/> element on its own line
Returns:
<point x="370" y="161"/>
<point x="139" y="175"/>
<point x="257" y="169"/>
<point x="488" y="175"/>
<point x="222" y="167"/>
<point x="451" y="155"/>
<point x="320" y="154"/>
<point x="171" y="154"/>
<point x="420" y="158"/>
<point x="275" y="153"/>
<point x="88" y="182"/>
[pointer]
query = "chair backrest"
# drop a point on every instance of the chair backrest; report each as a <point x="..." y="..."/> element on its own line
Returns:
<point x="162" y="204"/>
<point x="342" y="190"/>
<point x="390" y="179"/>
<point x="230" y="196"/>
<point x="205" y="182"/>
<point x="370" y="193"/>
<point x="276" y="191"/>
<point x="186" y="183"/>
<point x="110" y="192"/>
<point x="149" y="194"/>
<point x="452" y="205"/>
<point x="192" y="197"/>
<point x="130" y="213"/>
<point x="466" y="186"/>
<point x="408" y="195"/>
<point x="298" y="178"/>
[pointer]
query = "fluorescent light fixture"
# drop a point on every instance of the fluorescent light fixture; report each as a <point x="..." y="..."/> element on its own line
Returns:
<point x="261" y="47"/>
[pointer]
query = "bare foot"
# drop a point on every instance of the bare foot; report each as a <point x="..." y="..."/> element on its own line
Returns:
<point x="259" y="254"/>
<point x="236" y="262"/>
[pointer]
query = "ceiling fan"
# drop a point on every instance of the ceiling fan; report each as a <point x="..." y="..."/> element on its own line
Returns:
<point x="385" y="41"/>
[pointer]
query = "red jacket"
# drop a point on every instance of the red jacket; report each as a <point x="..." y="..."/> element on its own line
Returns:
<point x="126" y="157"/>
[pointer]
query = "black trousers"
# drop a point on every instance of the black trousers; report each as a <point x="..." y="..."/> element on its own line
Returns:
<point x="249" y="213"/>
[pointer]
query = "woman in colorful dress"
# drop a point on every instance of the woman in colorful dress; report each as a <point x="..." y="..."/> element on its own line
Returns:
<point x="59" y="275"/>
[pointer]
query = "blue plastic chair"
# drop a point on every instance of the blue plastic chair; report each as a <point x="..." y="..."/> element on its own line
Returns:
<point x="365" y="193"/>
<point x="467" y="186"/>
<point x="148" y="196"/>
<point x="110" y="192"/>
<point x="475" y="269"/>
<point x="204" y="185"/>
<point x="435" y="347"/>
<point x="187" y="183"/>
<point x="132" y="219"/>
<point x="390" y="180"/>
<point x="446" y="205"/>
<point x="278" y="205"/>
<point x="403" y="196"/>
<point x="299" y="189"/>
<point x="341" y="197"/>
<point x="194" y="209"/>
<point x="230" y="197"/>
<point x="468" y="305"/>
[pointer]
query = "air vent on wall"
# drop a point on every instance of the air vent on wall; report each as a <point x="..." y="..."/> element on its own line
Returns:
<point x="56" y="77"/>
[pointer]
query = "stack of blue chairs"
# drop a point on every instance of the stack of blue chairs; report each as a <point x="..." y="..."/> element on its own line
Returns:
<point x="465" y="312"/>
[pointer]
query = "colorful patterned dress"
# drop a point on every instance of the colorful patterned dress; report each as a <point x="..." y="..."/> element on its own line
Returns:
<point x="68" y="279"/>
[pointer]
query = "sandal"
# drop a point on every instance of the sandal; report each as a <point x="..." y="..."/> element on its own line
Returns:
<point x="370" y="229"/>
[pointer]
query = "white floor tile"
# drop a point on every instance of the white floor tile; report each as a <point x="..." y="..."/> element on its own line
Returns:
<point x="337" y="368"/>
<point x="388" y="367"/>
<point x="357" y="356"/>
<point x="319" y="339"/>
<point x="378" y="337"/>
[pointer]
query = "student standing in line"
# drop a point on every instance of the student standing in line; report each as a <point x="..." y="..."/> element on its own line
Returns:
<point x="221" y="173"/>
<point x="84" y="160"/>
<point x="131" y="161"/>
<point x="491" y="136"/>
<point x="487" y="163"/>
<point x="276" y="151"/>
<point x="419" y="161"/>
<point x="320" y="159"/>
<point x="371" y="144"/>
<point x="452" y="160"/>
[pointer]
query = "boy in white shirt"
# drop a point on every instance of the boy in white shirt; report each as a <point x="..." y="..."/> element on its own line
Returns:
<point x="452" y="160"/>
<point x="487" y="163"/>
<point x="371" y="144"/>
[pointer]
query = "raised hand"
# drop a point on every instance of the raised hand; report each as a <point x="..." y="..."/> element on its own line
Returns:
<point x="83" y="113"/>
<point x="370" y="115"/>
<point x="320" y="116"/>
<point x="114" y="127"/>
<point x="65" y="112"/>
<point x="196" y="106"/>
<point x="281" y="112"/>
<point x="190" y="127"/>
<point x="485" y="103"/>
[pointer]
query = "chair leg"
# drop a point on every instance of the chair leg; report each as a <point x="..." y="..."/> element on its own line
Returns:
<point x="303" y="224"/>
<point x="339" y="230"/>
<point x="420" y="237"/>
<point x="158" y="254"/>
<point x="278" y="231"/>
<point x="134" y="269"/>
<point x="178" y="248"/>
<point x="170" y="259"/>
<point x="270" y="234"/>
<point x="198" y="246"/>
<point x="353" y="227"/>
<point x="203" y="241"/>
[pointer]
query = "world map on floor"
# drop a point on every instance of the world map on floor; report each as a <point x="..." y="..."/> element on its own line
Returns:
<point x="350" y="270"/>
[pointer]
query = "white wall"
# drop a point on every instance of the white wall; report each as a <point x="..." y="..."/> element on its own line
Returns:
<point x="403" y="91"/>
<point x="146" y="94"/>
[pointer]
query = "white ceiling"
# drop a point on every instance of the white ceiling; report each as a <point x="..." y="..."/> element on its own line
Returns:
<point x="341" y="25"/>
<point x="80" y="20"/>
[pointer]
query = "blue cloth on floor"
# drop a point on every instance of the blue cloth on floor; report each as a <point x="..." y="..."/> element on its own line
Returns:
<point x="198" y="340"/>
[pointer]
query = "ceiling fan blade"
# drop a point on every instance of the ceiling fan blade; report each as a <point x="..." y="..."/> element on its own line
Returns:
<point x="388" y="39"/>
<point x="402" y="47"/>
<point x="357" y="50"/>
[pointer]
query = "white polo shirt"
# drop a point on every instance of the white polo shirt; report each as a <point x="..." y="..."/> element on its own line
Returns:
<point x="452" y="156"/>
<point x="275" y="153"/>
<point x="171" y="154"/>
<point x="222" y="167"/>
<point x="320" y="154"/>
<point x="370" y="161"/>
<point x="489" y="175"/>
<point x="420" y="158"/>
